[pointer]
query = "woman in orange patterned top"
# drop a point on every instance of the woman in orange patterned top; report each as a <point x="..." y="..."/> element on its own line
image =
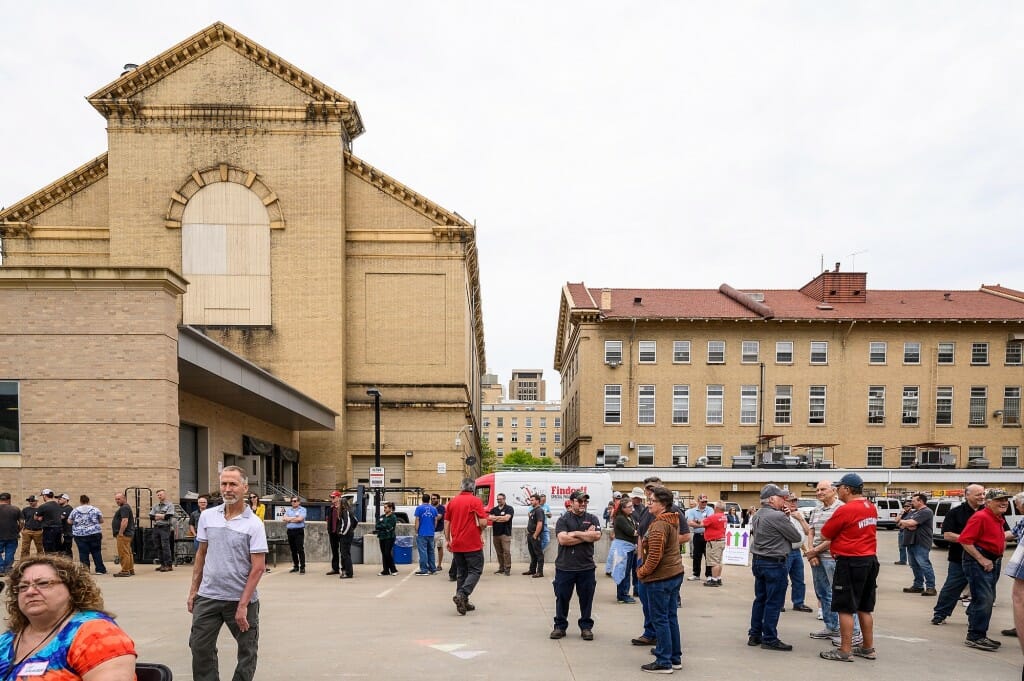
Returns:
<point x="58" y="628"/>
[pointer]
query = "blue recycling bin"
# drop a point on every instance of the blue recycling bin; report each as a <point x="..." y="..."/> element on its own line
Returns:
<point x="403" y="550"/>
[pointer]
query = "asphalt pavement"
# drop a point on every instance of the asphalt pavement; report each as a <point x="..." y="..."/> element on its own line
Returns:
<point x="406" y="628"/>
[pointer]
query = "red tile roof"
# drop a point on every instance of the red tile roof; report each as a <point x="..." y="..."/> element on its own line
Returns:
<point x="792" y="304"/>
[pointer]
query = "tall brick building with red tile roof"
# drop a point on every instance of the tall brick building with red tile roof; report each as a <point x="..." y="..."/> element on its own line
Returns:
<point x="714" y="386"/>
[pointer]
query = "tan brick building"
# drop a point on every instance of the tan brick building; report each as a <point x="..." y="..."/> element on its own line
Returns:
<point x="705" y="384"/>
<point x="534" y="426"/>
<point x="230" y="199"/>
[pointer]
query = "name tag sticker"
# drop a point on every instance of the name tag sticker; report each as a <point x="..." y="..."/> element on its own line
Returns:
<point x="33" y="669"/>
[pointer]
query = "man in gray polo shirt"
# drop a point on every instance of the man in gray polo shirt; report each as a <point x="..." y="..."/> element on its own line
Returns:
<point x="772" y="538"/>
<point x="229" y="563"/>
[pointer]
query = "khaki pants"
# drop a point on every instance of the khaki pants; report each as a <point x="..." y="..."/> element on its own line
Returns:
<point x="124" y="552"/>
<point x="503" y="547"/>
<point x="29" y="537"/>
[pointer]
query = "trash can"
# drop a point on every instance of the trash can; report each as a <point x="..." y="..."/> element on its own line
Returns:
<point x="403" y="550"/>
<point x="357" y="551"/>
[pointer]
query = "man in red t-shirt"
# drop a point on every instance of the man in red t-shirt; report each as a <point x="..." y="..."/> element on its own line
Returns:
<point x="983" y="541"/>
<point x="714" y="538"/>
<point x="465" y="520"/>
<point x="851" y="529"/>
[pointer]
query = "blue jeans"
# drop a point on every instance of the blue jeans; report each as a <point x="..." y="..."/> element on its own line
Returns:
<point x="425" y="546"/>
<point x="7" y="548"/>
<point x="585" y="584"/>
<point x="89" y="545"/>
<point x="769" y="596"/>
<point x="795" y="570"/>
<point x="664" y="598"/>
<point x="903" y="549"/>
<point x="951" y="590"/>
<point x="921" y="564"/>
<point x="622" y="588"/>
<point x="645" y="606"/>
<point x="983" y="595"/>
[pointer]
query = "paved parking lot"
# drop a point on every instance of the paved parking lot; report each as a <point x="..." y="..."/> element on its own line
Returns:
<point x="406" y="627"/>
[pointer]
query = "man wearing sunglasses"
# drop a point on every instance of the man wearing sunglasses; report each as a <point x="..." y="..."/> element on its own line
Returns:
<point x="576" y="532"/>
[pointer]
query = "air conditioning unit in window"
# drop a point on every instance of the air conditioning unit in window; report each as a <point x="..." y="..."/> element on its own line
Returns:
<point x="702" y="462"/>
<point x="621" y="461"/>
<point x="613" y="363"/>
<point x="679" y="461"/>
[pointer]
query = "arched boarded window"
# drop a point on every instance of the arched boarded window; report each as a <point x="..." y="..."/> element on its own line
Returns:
<point x="225" y="255"/>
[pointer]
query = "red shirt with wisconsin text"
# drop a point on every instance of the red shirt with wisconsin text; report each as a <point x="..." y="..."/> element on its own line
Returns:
<point x="461" y="514"/>
<point x="852" y="529"/>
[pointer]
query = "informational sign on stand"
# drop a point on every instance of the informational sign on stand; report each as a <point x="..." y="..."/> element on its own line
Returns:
<point x="377" y="476"/>
<point x="737" y="546"/>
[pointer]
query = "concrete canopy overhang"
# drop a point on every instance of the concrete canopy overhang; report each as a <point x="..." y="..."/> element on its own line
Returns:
<point x="211" y="371"/>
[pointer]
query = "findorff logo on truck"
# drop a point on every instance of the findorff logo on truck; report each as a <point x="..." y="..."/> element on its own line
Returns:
<point x="559" y="491"/>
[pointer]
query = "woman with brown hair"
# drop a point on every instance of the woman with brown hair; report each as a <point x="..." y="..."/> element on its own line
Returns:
<point x="661" y="571"/>
<point x="58" y="628"/>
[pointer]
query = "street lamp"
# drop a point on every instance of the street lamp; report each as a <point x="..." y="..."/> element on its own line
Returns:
<point x="375" y="394"/>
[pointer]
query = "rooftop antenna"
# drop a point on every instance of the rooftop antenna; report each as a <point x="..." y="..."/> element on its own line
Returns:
<point x="853" y="259"/>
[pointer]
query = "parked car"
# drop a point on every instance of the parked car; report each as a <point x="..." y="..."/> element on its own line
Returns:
<point x="940" y="507"/>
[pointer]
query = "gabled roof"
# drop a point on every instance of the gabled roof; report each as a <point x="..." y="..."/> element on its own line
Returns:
<point x="187" y="51"/>
<point x="55" y="192"/>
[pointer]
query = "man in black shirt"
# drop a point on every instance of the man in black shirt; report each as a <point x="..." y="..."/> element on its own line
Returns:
<point x="49" y="514"/>
<point x="952" y="526"/>
<point x="501" y="533"/>
<point x="534" y="529"/>
<point x="32" y="528"/>
<point x="576" y="532"/>
<point x="67" y="540"/>
<point x="10" y="528"/>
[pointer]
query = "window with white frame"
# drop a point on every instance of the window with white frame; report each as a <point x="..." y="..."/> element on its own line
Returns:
<point x="979" y="353"/>
<point x="680" y="405"/>
<point x="680" y="455"/>
<point x="946" y="353"/>
<point x="716" y="352"/>
<point x="558" y="436"/>
<point x="529" y="422"/>
<point x="10" y="424"/>
<point x="543" y="422"/>
<point x="645" y="455"/>
<point x="613" y="352"/>
<point x="514" y="437"/>
<point x="1011" y="405"/>
<point x="558" y="452"/>
<point x="515" y="423"/>
<point x="783" y="405"/>
<point x="501" y="422"/>
<point x="486" y="422"/>
<point x="681" y="351"/>
<point x="648" y="352"/>
<point x="1010" y="459"/>
<point x="558" y="422"/>
<point x="499" y="437"/>
<point x="1013" y="353"/>
<point x="908" y="456"/>
<point x="499" y="452"/>
<point x="944" y="405"/>
<point x="783" y="352"/>
<point x="978" y="406"/>
<point x="543" y="451"/>
<point x="876" y="404"/>
<point x="911" y="405"/>
<point x="819" y="352"/>
<point x="485" y="436"/>
<point x="715" y="405"/>
<point x="613" y="404"/>
<point x="543" y="436"/>
<point x="911" y="353"/>
<point x="612" y="454"/>
<point x="645" y="405"/>
<point x="876" y="352"/>
<point x="713" y="454"/>
<point x="816" y="405"/>
<point x="529" y="437"/>
<point x="975" y="452"/>
<point x="750" y="352"/>
<point x="875" y="455"/>
<point x="748" y="405"/>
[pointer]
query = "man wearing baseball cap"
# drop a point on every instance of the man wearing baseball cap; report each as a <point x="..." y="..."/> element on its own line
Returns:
<point x="983" y="541"/>
<point x="772" y="539"/>
<point x="50" y="514"/>
<point x="31" y="528"/>
<point x="576" y="532"/>
<point x="851" y="529"/>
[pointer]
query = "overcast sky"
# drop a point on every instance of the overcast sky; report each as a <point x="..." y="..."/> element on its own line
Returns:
<point x="648" y="144"/>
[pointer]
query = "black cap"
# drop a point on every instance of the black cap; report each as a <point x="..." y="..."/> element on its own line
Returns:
<point x="31" y="497"/>
<point x="579" y="494"/>
<point x="5" y="496"/>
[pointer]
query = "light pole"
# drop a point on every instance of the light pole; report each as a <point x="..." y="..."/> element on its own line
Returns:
<point x="375" y="393"/>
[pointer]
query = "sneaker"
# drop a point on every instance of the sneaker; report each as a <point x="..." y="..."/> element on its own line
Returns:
<point x="801" y="608"/>
<point x="858" y="639"/>
<point x="587" y="635"/>
<point x="866" y="653"/>
<point x="557" y="633"/>
<point x="626" y="600"/>
<point x="643" y="641"/>
<point x="913" y="589"/>
<point x="302" y="571"/>
<point x="1005" y="632"/>
<point x="930" y="591"/>
<point x="981" y="644"/>
<point x="820" y="616"/>
<point x="656" y="668"/>
<point x="938" y="620"/>
<point x="332" y="572"/>
<point x="753" y="641"/>
<point x="824" y="633"/>
<point x="677" y="665"/>
<point x="382" y="573"/>
<point x="421" y="573"/>
<point x="966" y="602"/>
<point x="693" y="578"/>
<point x="460" y="603"/>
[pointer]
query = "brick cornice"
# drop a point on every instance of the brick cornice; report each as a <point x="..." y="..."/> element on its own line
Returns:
<point x="55" y="192"/>
<point x="115" y="98"/>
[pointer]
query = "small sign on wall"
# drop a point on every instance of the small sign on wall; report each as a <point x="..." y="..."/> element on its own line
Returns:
<point x="442" y="468"/>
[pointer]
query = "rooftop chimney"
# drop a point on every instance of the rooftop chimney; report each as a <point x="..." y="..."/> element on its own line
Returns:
<point x="606" y="299"/>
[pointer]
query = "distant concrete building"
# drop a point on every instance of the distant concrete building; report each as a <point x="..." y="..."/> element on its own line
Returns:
<point x="224" y="284"/>
<point x="707" y="383"/>
<point x="533" y="426"/>
<point x="527" y="385"/>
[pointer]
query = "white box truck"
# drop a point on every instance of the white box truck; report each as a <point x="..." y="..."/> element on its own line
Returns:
<point x="518" y="486"/>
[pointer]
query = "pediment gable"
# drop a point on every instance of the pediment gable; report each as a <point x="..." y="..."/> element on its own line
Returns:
<point x="123" y="95"/>
<point x="55" y="192"/>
